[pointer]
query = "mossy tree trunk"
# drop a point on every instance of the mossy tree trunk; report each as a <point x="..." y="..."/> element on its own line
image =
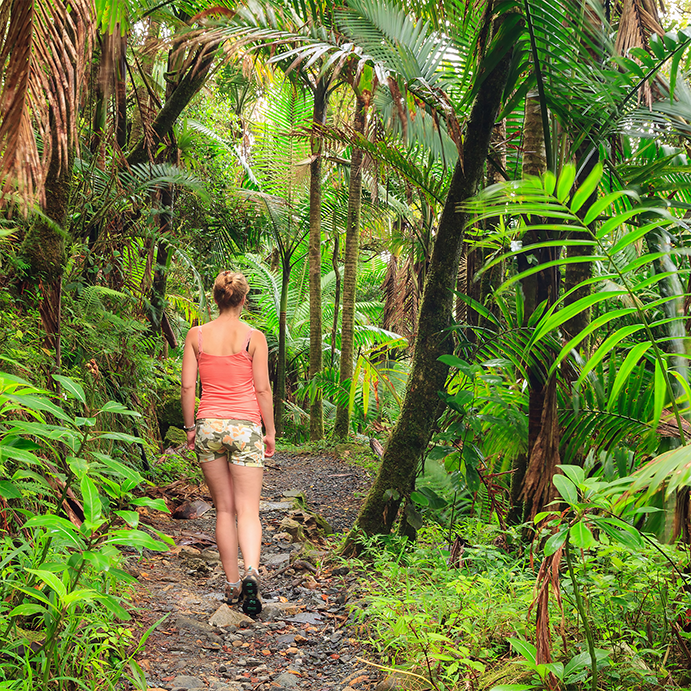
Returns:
<point x="45" y="252"/>
<point x="315" y="260"/>
<point x="350" y="262"/>
<point x="421" y="405"/>
<point x="280" y="387"/>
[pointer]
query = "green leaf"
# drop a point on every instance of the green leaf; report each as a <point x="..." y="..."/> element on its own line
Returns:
<point x="581" y="536"/>
<point x="556" y="541"/>
<point x="587" y="187"/>
<point x="71" y="387"/>
<point x="114" y="606"/>
<point x="660" y="393"/>
<point x="8" y="490"/>
<point x="567" y="490"/>
<point x="156" y="504"/>
<point x="118" y="436"/>
<point x="565" y="182"/>
<point x="419" y="498"/>
<point x="51" y="580"/>
<point x="136" y="538"/>
<point x="117" y="409"/>
<point x="92" y="502"/>
<point x="574" y="472"/>
<point x="524" y="648"/>
<point x="130" y="517"/>
<point x="27" y="610"/>
<point x="57" y="526"/>
<point x="631" y="360"/>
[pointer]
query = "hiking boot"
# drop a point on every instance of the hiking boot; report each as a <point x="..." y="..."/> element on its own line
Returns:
<point x="251" y="604"/>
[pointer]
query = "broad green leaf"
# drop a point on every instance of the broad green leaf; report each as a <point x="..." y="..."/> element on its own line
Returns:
<point x="27" y="610"/>
<point x="156" y="504"/>
<point x="567" y="490"/>
<point x="51" y="580"/>
<point x="117" y="409"/>
<point x="574" y="472"/>
<point x="556" y="541"/>
<point x="92" y="502"/>
<point x="586" y="188"/>
<point x="565" y="182"/>
<point x="136" y="538"/>
<point x="114" y="606"/>
<point x="581" y="537"/>
<point x="130" y="517"/>
<point x="72" y="387"/>
<point x="57" y="526"/>
<point x="118" y="436"/>
<point x="604" y="202"/>
<point x="120" y="468"/>
<point x="419" y="498"/>
<point x="8" y="490"/>
<point x="524" y="648"/>
<point x="99" y="560"/>
<point x="39" y="403"/>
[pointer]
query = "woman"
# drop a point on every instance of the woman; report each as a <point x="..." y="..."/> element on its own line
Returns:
<point x="232" y="360"/>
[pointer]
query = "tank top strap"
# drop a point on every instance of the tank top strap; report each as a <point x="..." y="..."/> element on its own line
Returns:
<point x="247" y="340"/>
<point x="199" y="332"/>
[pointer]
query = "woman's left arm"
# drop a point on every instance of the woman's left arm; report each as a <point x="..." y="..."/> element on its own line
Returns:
<point x="189" y="385"/>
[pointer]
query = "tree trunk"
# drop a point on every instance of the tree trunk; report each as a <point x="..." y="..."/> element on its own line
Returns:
<point x="121" y="94"/>
<point x="280" y="387"/>
<point x="532" y="477"/>
<point x="421" y="404"/>
<point x="44" y="249"/>
<point x="337" y="294"/>
<point x="315" y="263"/>
<point x="352" y="250"/>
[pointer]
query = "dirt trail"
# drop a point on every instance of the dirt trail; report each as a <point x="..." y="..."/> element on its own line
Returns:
<point x="300" y="640"/>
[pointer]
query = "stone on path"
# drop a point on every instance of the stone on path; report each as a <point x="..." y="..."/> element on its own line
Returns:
<point x="183" y="622"/>
<point x="224" y="616"/>
<point x="275" y="505"/>
<point x="286" y="680"/>
<point x="185" y="682"/>
<point x="278" y="610"/>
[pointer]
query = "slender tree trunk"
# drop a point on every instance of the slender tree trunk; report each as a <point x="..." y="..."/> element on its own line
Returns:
<point x="421" y="407"/>
<point x="337" y="295"/>
<point x="121" y="95"/>
<point x="532" y="479"/>
<point x="280" y="388"/>
<point x="315" y="263"/>
<point x="352" y="250"/>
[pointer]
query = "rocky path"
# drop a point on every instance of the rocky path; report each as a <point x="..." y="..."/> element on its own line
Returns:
<point x="303" y="638"/>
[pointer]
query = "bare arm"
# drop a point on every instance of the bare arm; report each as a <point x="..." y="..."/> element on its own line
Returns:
<point x="260" y="373"/>
<point x="189" y="385"/>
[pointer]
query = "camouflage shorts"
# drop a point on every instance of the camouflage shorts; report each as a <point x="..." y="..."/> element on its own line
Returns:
<point x="240" y="440"/>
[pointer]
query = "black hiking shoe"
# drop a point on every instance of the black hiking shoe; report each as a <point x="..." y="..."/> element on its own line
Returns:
<point x="251" y="604"/>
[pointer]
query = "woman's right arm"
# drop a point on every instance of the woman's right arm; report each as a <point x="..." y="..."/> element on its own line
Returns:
<point x="262" y="385"/>
<point x="189" y="385"/>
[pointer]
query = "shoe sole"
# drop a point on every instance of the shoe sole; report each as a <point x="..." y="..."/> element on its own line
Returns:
<point x="251" y="604"/>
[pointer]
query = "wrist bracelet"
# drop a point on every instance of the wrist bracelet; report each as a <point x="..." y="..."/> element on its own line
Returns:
<point x="188" y="429"/>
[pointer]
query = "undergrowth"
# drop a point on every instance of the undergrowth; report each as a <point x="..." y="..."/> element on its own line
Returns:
<point x="460" y="626"/>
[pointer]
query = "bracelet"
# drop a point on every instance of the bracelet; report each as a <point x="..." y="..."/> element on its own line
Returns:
<point x="190" y="428"/>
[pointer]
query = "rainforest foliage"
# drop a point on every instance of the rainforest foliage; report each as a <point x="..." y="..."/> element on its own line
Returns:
<point x="464" y="226"/>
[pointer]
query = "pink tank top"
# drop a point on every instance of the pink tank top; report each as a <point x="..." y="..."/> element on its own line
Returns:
<point x="228" y="385"/>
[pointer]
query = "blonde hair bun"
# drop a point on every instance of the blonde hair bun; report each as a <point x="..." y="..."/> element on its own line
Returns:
<point x="230" y="288"/>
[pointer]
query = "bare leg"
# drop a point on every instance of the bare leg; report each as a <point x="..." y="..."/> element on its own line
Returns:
<point x="220" y="482"/>
<point x="247" y="488"/>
